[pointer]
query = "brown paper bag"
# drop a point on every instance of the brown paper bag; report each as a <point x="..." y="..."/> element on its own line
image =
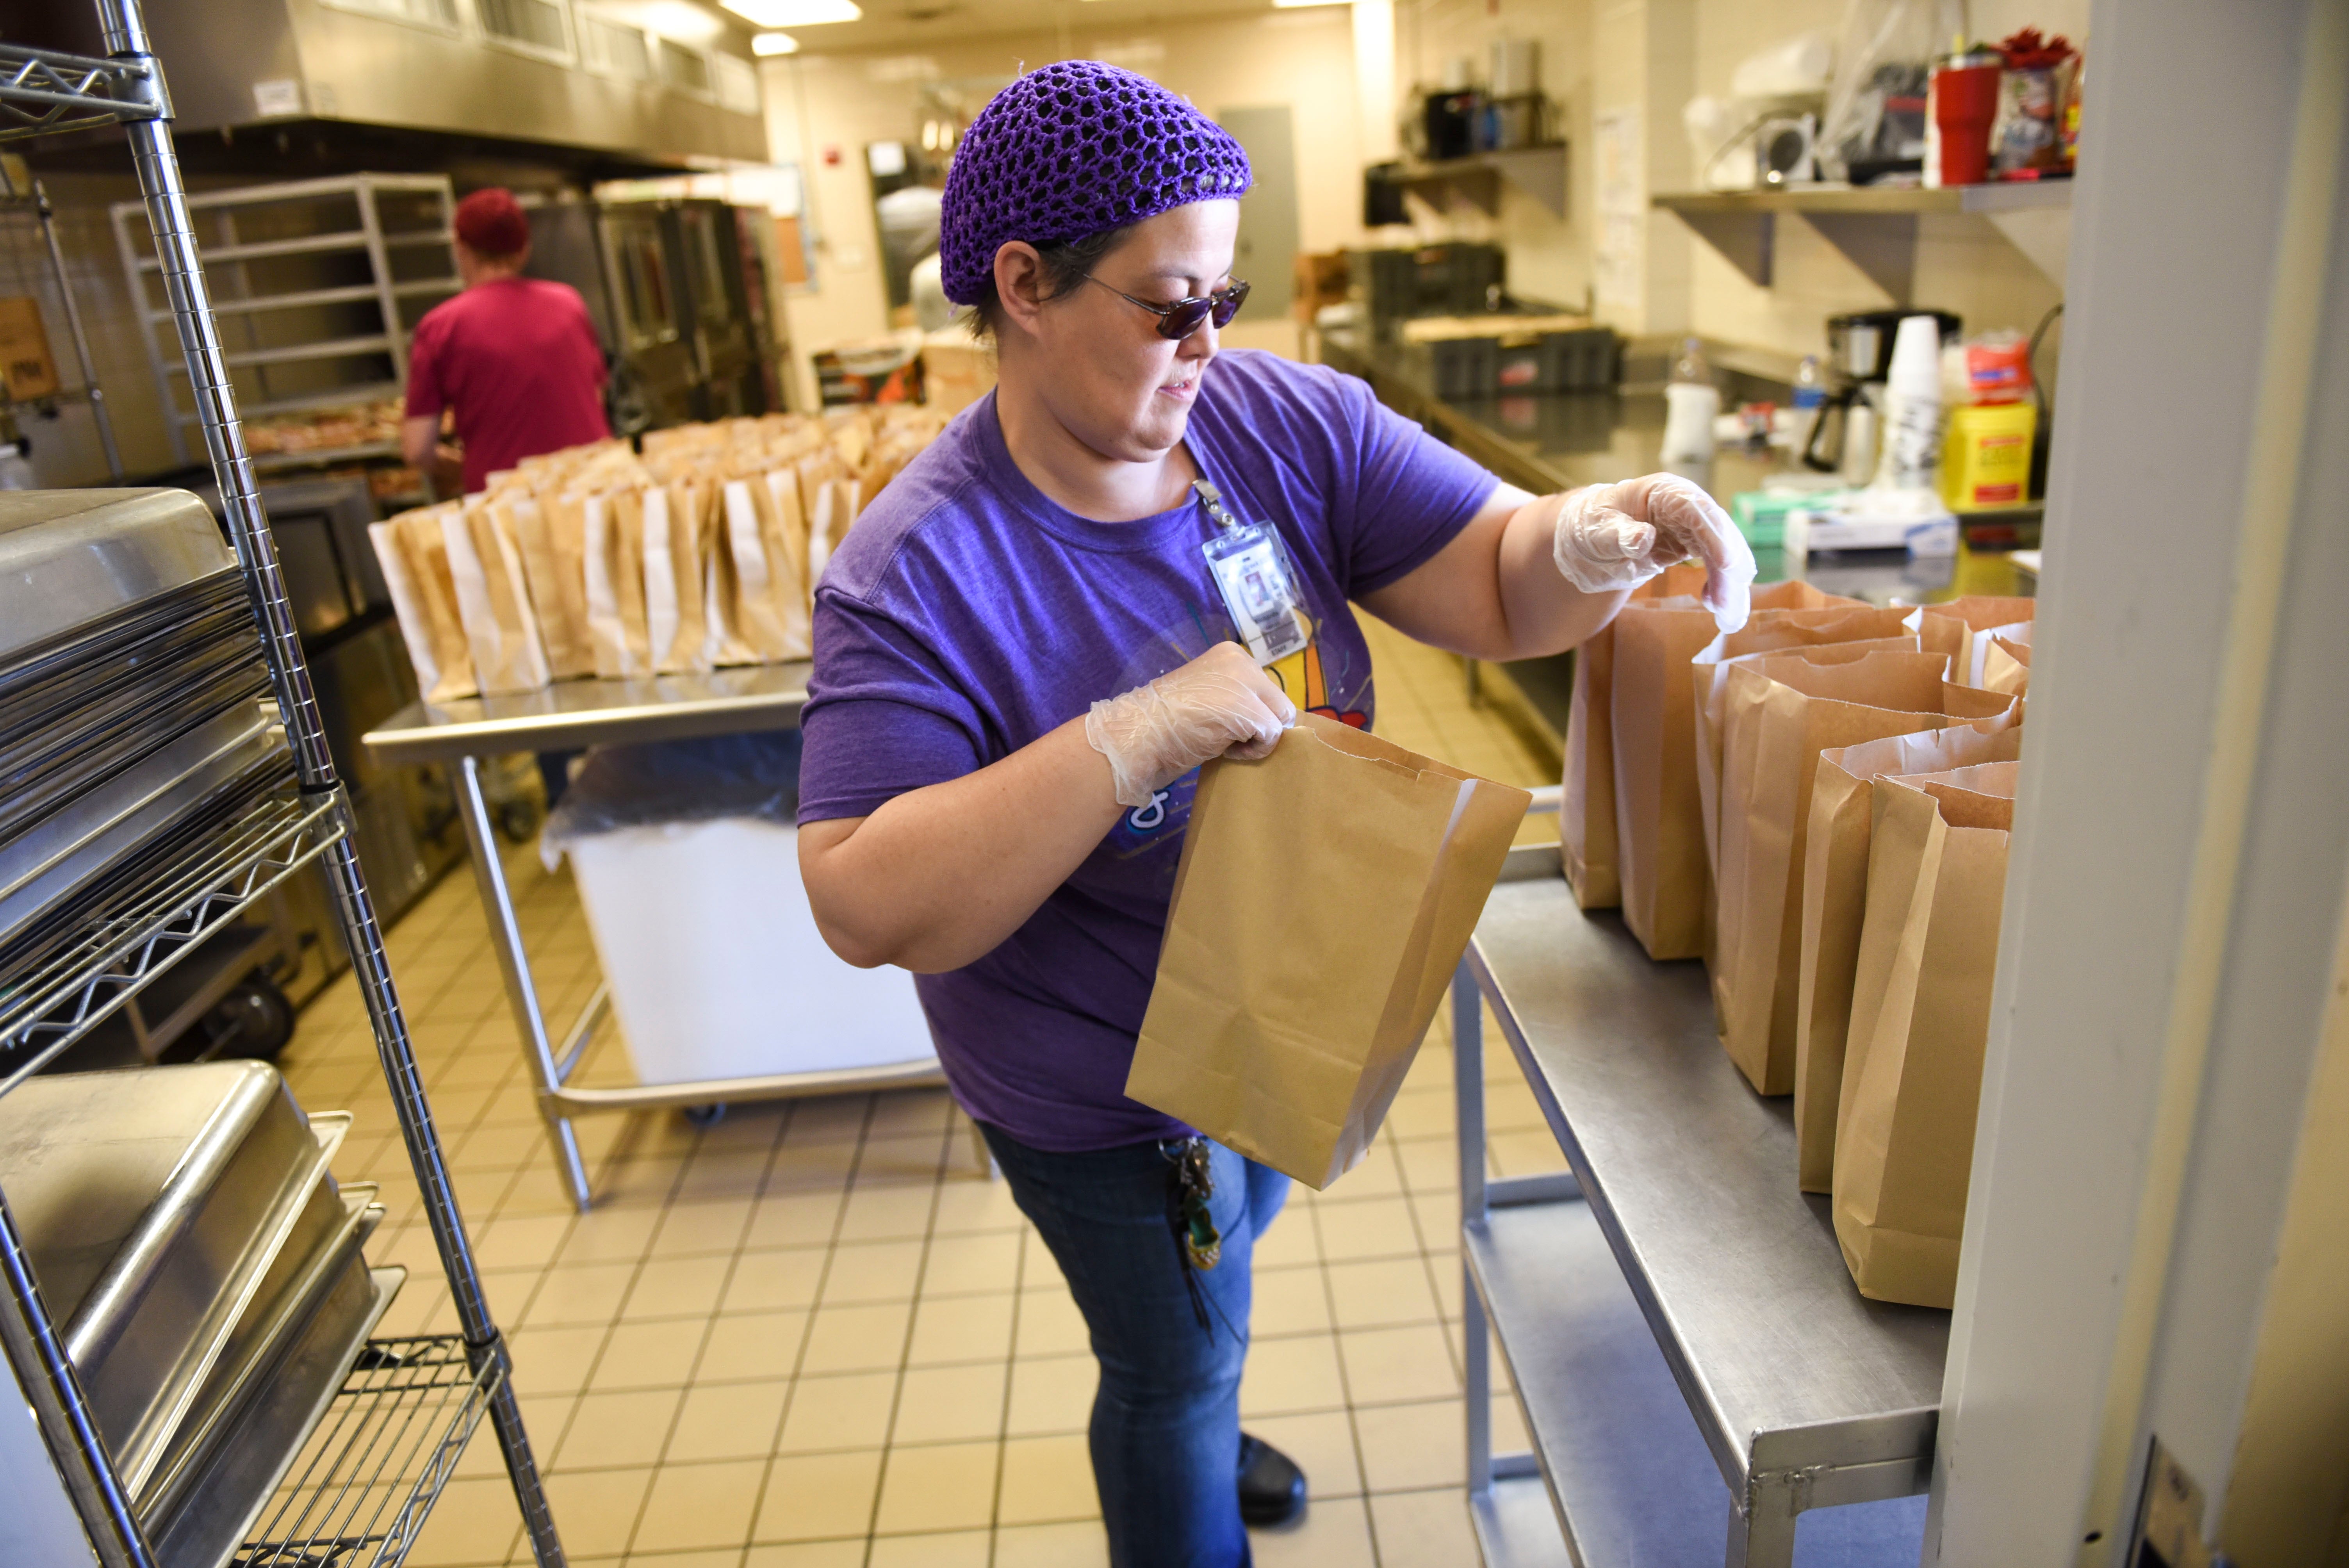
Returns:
<point x="558" y="589"/>
<point x="1920" y="1016"/>
<point x="1323" y="899"/>
<point x="1839" y="624"/>
<point x="1660" y="846"/>
<point x="492" y="602"/>
<point x="722" y="643"/>
<point x="613" y="531"/>
<point x="1779" y="712"/>
<point x="2006" y="664"/>
<point x="1955" y="628"/>
<point x="1835" y="899"/>
<point x="771" y="608"/>
<point x="674" y="556"/>
<point x="424" y="599"/>
<point x="1586" y="833"/>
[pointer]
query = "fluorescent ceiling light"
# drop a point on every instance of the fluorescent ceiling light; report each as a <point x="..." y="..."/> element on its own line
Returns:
<point x="794" y="13"/>
<point x="774" y="43"/>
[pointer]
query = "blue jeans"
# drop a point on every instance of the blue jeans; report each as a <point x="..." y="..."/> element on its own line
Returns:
<point x="1166" y="1418"/>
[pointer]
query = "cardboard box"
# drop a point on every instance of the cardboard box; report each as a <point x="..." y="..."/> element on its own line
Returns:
<point x="958" y="370"/>
<point x="1322" y="278"/>
<point x="27" y="368"/>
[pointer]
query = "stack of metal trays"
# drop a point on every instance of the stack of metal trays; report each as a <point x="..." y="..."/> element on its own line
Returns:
<point x="133" y="736"/>
<point x="206" y="1271"/>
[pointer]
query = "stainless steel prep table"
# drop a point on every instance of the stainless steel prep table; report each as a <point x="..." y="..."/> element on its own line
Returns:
<point x="1675" y="1315"/>
<point x="562" y="717"/>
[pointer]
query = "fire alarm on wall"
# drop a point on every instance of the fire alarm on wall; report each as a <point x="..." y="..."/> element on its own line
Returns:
<point x="832" y="157"/>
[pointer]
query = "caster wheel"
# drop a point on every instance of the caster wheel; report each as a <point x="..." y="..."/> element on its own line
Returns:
<point x="254" y="1021"/>
<point x="518" y="821"/>
<point x="706" y="1115"/>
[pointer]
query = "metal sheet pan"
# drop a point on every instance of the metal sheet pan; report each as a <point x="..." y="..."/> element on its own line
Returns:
<point x="262" y="1339"/>
<point x="42" y="866"/>
<point x="225" y="1498"/>
<point x="282" y="1261"/>
<point x="154" y="1203"/>
<point x="68" y="737"/>
<point x="70" y="559"/>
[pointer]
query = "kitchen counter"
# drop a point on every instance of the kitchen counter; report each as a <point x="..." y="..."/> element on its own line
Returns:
<point x="1545" y="441"/>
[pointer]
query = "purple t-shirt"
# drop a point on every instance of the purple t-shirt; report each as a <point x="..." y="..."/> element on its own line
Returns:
<point x="966" y="614"/>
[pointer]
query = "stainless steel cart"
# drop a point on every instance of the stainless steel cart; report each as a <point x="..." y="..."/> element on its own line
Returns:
<point x="568" y="714"/>
<point x="438" y="1387"/>
<point x="1675" y="1315"/>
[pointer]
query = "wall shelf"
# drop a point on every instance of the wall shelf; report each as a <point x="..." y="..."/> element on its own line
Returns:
<point x="1538" y="171"/>
<point x="1876" y="227"/>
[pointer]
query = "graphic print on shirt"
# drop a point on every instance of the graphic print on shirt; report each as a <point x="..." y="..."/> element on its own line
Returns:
<point x="1330" y="687"/>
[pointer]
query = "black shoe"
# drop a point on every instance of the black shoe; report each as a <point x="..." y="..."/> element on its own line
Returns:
<point x="1272" y="1488"/>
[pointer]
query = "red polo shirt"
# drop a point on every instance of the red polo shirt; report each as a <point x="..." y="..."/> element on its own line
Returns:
<point x="517" y="359"/>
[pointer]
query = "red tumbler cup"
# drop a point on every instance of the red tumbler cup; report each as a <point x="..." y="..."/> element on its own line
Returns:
<point x="1965" y="102"/>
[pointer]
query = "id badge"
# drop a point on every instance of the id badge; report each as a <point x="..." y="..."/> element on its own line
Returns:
<point x="1252" y="573"/>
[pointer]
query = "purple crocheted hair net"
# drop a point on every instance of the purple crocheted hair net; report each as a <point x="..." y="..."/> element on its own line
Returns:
<point x="1070" y="150"/>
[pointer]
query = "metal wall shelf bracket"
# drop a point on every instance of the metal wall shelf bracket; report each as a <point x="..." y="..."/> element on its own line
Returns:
<point x="1538" y="171"/>
<point x="1746" y="241"/>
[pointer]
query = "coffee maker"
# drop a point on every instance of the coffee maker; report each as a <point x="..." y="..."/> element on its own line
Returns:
<point x="1859" y="358"/>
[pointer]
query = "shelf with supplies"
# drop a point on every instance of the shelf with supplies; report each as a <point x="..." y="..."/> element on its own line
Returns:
<point x="1876" y="226"/>
<point x="1538" y="171"/>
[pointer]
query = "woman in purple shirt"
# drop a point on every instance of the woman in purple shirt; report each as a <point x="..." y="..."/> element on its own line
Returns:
<point x="1022" y="657"/>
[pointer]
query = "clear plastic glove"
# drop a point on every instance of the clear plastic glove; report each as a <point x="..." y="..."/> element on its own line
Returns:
<point x="1619" y="535"/>
<point x="1218" y="704"/>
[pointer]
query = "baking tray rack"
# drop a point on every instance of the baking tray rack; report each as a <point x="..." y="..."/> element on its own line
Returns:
<point x="361" y="1489"/>
<point x="369" y="1459"/>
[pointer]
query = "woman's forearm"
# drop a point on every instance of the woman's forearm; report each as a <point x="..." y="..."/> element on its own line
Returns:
<point x="1541" y="612"/>
<point x="939" y="876"/>
<point x="1494" y="591"/>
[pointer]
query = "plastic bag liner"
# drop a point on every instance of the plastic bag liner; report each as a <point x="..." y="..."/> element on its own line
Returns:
<point x="755" y="776"/>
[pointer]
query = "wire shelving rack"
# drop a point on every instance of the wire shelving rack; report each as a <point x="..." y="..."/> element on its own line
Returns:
<point x="389" y="1441"/>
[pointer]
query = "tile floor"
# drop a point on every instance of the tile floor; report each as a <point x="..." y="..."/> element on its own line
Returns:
<point x="815" y="1335"/>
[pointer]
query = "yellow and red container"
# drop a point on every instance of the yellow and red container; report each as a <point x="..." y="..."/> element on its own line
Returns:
<point x="1986" y="455"/>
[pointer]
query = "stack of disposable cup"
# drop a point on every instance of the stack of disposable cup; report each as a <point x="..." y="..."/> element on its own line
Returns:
<point x="1908" y="474"/>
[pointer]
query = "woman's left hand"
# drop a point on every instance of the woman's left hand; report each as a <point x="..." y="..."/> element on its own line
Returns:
<point x="1617" y="536"/>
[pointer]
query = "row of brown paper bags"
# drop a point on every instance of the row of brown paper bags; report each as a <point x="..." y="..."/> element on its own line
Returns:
<point x="1697" y="769"/>
<point x="591" y="562"/>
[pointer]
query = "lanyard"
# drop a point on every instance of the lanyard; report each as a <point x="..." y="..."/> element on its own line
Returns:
<point x="1252" y="574"/>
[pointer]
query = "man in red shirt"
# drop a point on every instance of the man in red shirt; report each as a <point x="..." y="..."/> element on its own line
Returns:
<point x="515" y="357"/>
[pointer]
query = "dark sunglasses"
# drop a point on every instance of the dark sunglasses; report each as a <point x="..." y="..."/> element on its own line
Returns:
<point x="1186" y="316"/>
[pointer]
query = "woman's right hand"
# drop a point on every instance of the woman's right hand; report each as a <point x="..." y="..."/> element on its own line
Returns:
<point x="1219" y="705"/>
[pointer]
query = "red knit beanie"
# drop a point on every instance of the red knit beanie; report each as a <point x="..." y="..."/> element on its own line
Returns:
<point x="491" y="222"/>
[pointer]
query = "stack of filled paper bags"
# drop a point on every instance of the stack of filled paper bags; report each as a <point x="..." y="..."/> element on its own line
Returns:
<point x="596" y="561"/>
<point x="1818" y="805"/>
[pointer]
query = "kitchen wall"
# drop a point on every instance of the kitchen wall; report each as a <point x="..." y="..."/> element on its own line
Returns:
<point x="821" y="111"/>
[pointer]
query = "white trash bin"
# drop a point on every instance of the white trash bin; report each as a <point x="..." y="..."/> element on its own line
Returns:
<point x="689" y="869"/>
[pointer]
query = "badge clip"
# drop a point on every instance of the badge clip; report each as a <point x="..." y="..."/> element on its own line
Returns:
<point x="1252" y="574"/>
